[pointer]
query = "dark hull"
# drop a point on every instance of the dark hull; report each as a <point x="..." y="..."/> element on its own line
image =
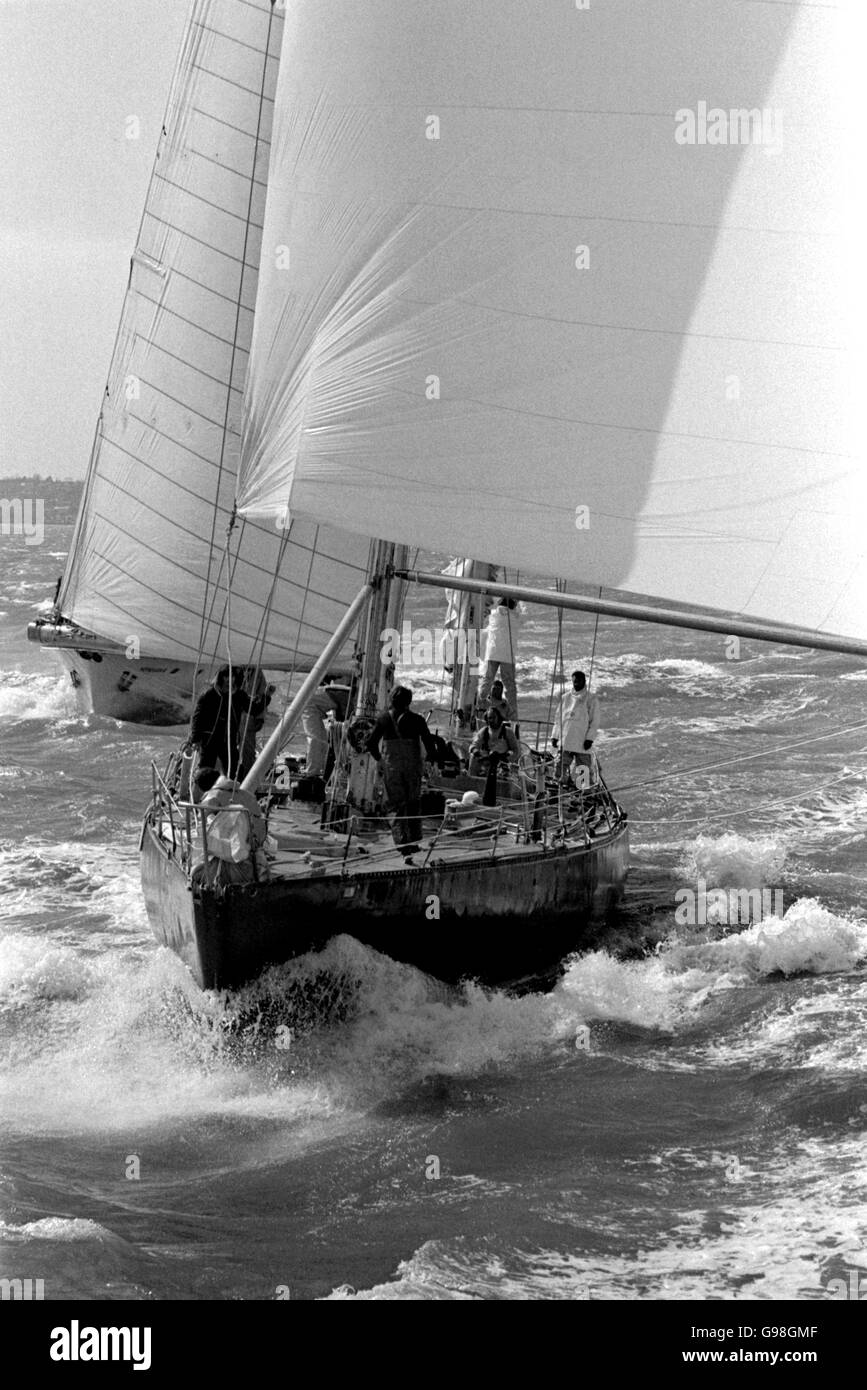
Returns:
<point x="497" y="921"/>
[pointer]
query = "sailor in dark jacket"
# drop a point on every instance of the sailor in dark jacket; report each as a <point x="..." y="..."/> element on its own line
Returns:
<point x="216" y="726"/>
<point x="396" y="741"/>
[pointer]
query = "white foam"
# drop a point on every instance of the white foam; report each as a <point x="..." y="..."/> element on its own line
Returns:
<point x="25" y="695"/>
<point x="793" y="1222"/>
<point x="733" y="860"/>
<point x="56" y="1228"/>
<point x="807" y="940"/>
<point x="33" y="967"/>
<point x="687" y="667"/>
<point x="126" y="1038"/>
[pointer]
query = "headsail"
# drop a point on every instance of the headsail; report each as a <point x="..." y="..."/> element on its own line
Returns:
<point x="142" y="553"/>
<point x="567" y="290"/>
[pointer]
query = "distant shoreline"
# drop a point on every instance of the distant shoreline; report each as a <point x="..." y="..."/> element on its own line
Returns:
<point x="7" y="478"/>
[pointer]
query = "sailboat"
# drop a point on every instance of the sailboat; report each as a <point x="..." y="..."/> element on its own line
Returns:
<point x="141" y="606"/>
<point x="527" y="295"/>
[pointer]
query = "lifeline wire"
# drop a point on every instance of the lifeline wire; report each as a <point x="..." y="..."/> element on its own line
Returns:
<point x="731" y="762"/>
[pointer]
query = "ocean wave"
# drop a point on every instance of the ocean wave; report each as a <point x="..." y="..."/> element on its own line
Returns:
<point x="32" y="968"/>
<point x="25" y="695"/>
<point x="119" y="1041"/>
<point x="807" y="940"/>
<point x="58" y="1228"/>
<point x="810" y="1033"/>
<point x="668" y="990"/>
<point x="735" y="860"/>
<point x="789" y="1225"/>
<point x="687" y="667"/>
<point x="54" y="881"/>
<point x="128" y="1038"/>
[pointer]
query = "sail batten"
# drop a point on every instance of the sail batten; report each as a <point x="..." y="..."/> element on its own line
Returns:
<point x="608" y="338"/>
<point x="163" y="469"/>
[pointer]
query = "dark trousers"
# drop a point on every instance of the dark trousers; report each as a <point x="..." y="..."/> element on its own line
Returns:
<point x="401" y="771"/>
<point x="489" y="796"/>
<point x="216" y="754"/>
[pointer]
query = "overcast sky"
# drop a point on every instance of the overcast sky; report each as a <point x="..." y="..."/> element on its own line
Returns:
<point x="72" y="188"/>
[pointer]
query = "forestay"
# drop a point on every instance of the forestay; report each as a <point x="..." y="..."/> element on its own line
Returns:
<point x="142" y="555"/>
<point x="571" y="289"/>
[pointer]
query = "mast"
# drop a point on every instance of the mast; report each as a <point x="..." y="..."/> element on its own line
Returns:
<point x="376" y="676"/>
<point x="470" y="616"/>
<point x="643" y="612"/>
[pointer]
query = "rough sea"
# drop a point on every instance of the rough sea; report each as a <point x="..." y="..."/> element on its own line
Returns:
<point x="682" y="1117"/>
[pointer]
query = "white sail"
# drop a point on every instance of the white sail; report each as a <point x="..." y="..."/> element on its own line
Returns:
<point x="569" y="288"/>
<point x="142" y="564"/>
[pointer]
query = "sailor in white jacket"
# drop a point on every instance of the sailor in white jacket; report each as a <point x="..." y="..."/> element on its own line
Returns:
<point x="576" y="728"/>
<point x="498" y="651"/>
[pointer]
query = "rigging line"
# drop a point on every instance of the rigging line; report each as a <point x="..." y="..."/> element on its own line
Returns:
<point x="731" y="762"/>
<point x="463" y="677"/>
<point x="512" y="652"/>
<point x="288" y="696"/>
<point x="238" y="307"/>
<point x="230" y="579"/>
<point x="261" y="638"/>
<point x="557" y="668"/>
<point x="593" y="649"/>
<point x="228" y="629"/>
<point x="750" y="810"/>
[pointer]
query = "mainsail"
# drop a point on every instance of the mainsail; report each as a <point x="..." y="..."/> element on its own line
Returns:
<point x="567" y="288"/>
<point x="148" y="557"/>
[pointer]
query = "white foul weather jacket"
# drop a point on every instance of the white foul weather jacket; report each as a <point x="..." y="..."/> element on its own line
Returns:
<point x="579" y="721"/>
<point x="499" y="637"/>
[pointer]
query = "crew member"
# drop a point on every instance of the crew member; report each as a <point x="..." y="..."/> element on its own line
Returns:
<point x="234" y="840"/>
<point x="576" y="726"/>
<point x="322" y="703"/>
<point x="498" y="701"/>
<point x="498" y="651"/>
<point x="494" y="744"/>
<point x="253" y="683"/>
<point x="396" y="741"/>
<point x="216" y="725"/>
<point x="220" y="791"/>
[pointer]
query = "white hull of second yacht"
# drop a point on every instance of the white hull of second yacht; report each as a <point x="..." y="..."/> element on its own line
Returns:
<point x="152" y="690"/>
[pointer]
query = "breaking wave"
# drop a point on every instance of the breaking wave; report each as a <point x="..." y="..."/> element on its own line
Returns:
<point x="24" y="695"/>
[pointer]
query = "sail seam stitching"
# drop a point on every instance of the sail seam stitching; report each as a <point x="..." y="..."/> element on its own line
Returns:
<point x="218" y="207"/>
